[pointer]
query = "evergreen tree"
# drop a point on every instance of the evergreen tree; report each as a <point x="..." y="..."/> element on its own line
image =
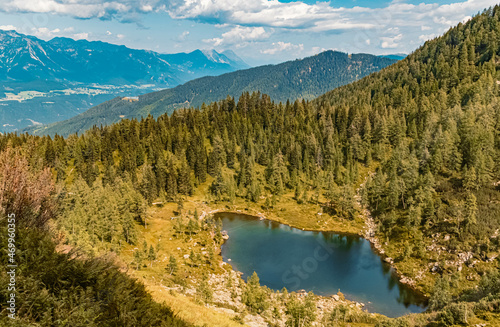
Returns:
<point x="172" y="265"/>
<point x="470" y="211"/>
<point x="151" y="255"/>
<point x="255" y="296"/>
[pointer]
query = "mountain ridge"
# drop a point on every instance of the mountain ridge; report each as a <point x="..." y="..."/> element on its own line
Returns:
<point x="83" y="61"/>
<point x="48" y="81"/>
<point x="301" y="78"/>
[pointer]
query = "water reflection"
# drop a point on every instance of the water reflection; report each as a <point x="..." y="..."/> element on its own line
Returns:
<point x="321" y="262"/>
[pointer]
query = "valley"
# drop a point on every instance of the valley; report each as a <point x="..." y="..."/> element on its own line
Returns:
<point x="22" y="108"/>
<point x="213" y="203"/>
<point x="77" y="75"/>
<point x="299" y="79"/>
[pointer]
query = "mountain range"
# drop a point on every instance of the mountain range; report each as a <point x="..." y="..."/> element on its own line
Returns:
<point x="47" y="81"/>
<point x="25" y="58"/>
<point x="305" y="78"/>
<point x="407" y="158"/>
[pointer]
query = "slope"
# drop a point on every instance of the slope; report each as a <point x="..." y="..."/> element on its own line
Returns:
<point x="306" y="78"/>
<point x="425" y="133"/>
<point x="26" y="58"/>
<point x="432" y="122"/>
<point x="47" y="81"/>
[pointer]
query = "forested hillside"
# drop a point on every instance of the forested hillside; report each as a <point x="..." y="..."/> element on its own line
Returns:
<point x="423" y="133"/>
<point x="432" y="121"/>
<point x="55" y="287"/>
<point x="306" y="78"/>
<point x="43" y="82"/>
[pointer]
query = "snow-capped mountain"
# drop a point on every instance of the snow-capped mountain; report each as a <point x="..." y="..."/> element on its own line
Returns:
<point x="26" y="58"/>
<point x="46" y="81"/>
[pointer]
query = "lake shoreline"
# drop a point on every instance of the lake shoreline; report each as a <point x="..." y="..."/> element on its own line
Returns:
<point x="364" y="234"/>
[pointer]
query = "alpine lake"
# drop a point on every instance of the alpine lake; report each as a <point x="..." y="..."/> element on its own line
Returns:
<point x="321" y="262"/>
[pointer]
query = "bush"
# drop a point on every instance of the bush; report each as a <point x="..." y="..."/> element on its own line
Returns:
<point x="344" y="314"/>
<point x="53" y="287"/>
<point x="456" y="313"/>
<point x="441" y="295"/>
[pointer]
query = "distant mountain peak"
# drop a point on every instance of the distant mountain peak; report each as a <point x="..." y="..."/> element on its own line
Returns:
<point x="31" y="64"/>
<point x="225" y="57"/>
<point x="213" y="55"/>
<point x="83" y="61"/>
<point x="235" y="58"/>
<point x="302" y="78"/>
<point x="395" y="56"/>
<point x="229" y="53"/>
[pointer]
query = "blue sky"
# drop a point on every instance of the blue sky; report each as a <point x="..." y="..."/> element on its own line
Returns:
<point x="259" y="31"/>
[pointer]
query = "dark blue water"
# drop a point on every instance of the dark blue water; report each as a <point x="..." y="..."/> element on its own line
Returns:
<point x="316" y="261"/>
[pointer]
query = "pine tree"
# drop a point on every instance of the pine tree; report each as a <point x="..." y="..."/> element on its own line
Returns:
<point x="470" y="211"/>
<point x="441" y="294"/>
<point x="254" y="296"/>
<point x="137" y="259"/>
<point x="172" y="265"/>
<point x="148" y="184"/>
<point x="298" y="193"/>
<point x="203" y="290"/>
<point x="151" y="255"/>
<point x="470" y="179"/>
<point x="184" y="184"/>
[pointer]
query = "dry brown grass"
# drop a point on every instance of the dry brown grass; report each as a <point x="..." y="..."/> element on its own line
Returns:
<point x="160" y="230"/>
<point x="189" y="311"/>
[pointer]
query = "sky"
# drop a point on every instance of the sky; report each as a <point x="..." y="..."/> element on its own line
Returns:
<point x="259" y="31"/>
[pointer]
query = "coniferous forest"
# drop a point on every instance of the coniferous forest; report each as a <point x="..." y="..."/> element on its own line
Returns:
<point x="417" y="142"/>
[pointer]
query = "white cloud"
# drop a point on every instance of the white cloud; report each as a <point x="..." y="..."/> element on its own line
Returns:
<point x="426" y="37"/>
<point x="442" y="20"/>
<point x="240" y="35"/>
<point x="106" y="9"/>
<point x="272" y="13"/>
<point x="45" y="33"/>
<point x="321" y="16"/>
<point x="390" y="42"/>
<point x="81" y="36"/>
<point x="147" y="8"/>
<point x="316" y="50"/>
<point x="183" y="36"/>
<point x="282" y="46"/>
<point x="7" y="27"/>
<point x="399" y="25"/>
<point x="318" y="17"/>
<point x="108" y="34"/>
<point x="466" y="19"/>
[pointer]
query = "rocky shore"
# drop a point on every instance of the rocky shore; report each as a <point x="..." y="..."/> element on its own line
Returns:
<point x="369" y="234"/>
<point x="228" y="289"/>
